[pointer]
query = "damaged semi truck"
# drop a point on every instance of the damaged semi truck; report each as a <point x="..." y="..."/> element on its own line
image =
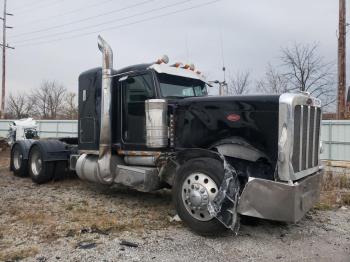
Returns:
<point x="153" y="126"/>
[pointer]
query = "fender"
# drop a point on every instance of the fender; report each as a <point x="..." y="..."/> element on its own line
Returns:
<point x="25" y="146"/>
<point x="186" y="154"/>
<point x="53" y="150"/>
<point x="238" y="147"/>
<point x="168" y="172"/>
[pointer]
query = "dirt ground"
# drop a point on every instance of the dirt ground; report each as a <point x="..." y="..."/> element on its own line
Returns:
<point x="72" y="220"/>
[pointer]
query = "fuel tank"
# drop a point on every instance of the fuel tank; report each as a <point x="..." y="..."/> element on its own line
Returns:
<point x="203" y="121"/>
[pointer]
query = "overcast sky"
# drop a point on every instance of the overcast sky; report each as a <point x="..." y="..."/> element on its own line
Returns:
<point x="253" y="33"/>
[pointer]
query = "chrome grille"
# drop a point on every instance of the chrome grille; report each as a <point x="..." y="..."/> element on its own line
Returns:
<point x="306" y="137"/>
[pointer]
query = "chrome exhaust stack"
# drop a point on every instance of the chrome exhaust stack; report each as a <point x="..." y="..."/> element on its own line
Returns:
<point x="99" y="168"/>
<point x="104" y="159"/>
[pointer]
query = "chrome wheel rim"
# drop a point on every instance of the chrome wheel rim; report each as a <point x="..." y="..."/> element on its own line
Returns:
<point x="198" y="190"/>
<point x="36" y="163"/>
<point x="17" y="159"/>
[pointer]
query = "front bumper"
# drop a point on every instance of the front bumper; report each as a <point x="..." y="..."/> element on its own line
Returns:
<point x="280" y="201"/>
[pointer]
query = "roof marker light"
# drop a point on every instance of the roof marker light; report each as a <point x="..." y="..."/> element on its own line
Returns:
<point x="177" y="64"/>
<point x="189" y="66"/>
<point x="164" y="59"/>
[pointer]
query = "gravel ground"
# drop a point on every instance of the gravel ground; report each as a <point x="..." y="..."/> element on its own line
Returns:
<point x="72" y="220"/>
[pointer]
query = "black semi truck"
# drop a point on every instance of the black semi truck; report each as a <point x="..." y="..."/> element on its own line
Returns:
<point x="153" y="126"/>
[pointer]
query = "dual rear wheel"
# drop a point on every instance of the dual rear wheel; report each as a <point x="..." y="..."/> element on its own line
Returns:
<point x="39" y="170"/>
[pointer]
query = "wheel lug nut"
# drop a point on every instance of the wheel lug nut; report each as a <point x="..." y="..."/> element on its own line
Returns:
<point x="202" y="190"/>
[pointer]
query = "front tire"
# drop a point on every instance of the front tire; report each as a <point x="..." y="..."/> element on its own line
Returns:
<point x="40" y="171"/>
<point x="19" y="165"/>
<point x="197" y="183"/>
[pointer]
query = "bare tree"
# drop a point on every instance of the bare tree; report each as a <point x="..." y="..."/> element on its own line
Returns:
<point x="18" y="106"/>
<point x="273" y="82"/>
<point x="48" y="99"/>
<point x="238" y="83"/>
<point x="70" y="109"/>
<point x="307" y="71"/>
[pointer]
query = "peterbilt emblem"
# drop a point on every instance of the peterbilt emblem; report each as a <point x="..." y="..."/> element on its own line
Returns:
<point x="233" y="117"/>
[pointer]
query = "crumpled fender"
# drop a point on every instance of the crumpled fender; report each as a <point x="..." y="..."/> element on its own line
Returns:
<point x="168" y="171"/>
<point x="238" y="147"/>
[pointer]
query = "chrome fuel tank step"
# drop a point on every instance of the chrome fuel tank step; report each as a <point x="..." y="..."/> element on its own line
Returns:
<point x="144" y="179"/>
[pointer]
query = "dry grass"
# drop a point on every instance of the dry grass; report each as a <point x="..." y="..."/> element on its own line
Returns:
<point x="335" y="191"/>
<point x="334" y="181"/>
<point x="15" y="254"/>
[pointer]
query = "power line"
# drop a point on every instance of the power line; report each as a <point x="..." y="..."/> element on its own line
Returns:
<point x="123" y="25"/>
<point x="84" y="19"/>
<point x="105" y="23"/>
<point x="28" y="4"/>
<point x="23" y="10"/>
<point x="67" y="13"/>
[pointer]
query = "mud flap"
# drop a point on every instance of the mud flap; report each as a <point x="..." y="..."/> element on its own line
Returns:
<point x="224" y="205"/>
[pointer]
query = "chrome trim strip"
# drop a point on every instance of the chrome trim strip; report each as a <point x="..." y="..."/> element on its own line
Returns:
<point x="305" y="172"/>
<point x="308" y="138"/>
<point x="314" y="140"/>
<point x="92" y="152"/>
<point x="301" y="138"/>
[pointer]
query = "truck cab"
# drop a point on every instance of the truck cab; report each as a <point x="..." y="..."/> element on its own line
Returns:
<point x="153" y="126"/>
<point x="131" y="88"/>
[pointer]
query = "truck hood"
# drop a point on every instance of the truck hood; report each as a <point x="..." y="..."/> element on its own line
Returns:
<point x="203" y="121"/>
<point x="237" y="103"/>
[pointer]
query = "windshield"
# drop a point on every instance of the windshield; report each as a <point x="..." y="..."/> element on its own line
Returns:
<point x="177" y="86"/>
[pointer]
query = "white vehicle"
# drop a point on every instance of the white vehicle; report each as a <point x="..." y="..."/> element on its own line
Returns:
<point x="21" y="130"/>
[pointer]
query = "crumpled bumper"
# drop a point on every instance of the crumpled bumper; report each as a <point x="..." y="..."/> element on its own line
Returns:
<point x="280" y="201"/>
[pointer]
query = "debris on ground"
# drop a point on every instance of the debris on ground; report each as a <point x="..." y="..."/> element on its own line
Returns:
<point x="175" y="218"/>
<point x="86" y="245"/>
<point x="128" y="244"/>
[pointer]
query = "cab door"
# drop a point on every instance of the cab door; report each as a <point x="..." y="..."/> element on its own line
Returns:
<point x="136" y="89"/>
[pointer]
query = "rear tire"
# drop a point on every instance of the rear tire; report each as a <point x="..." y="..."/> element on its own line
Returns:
<point x="40" y="171"/>
<point x="196" y="182"/>
<point x="19" y="165"/>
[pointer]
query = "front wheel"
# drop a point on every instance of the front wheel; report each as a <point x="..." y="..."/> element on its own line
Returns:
<point x="196" y="184"/>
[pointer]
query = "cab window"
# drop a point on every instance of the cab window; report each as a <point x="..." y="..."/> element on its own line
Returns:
<point x="136" y="89"/>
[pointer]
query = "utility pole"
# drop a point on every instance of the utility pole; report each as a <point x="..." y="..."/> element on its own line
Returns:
<point x="341" y="61"/>
<point x="4" y="47"/>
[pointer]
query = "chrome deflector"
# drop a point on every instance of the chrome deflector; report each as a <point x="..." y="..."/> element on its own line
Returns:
<point x="280" y="201"/>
